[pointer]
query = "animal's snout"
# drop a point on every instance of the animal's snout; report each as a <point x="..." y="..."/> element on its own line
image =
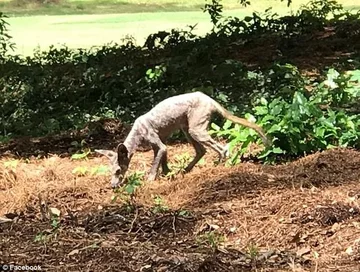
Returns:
<point x="114" y="186"/>
<point x="116" y="182"/>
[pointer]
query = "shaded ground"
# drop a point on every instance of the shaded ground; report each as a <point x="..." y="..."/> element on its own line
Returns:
<point x="303" y="216"/>
<point x="311" y="53"/>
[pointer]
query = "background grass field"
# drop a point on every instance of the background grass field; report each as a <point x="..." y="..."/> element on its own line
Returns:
<point x="32" y="7"/>
<point x="92" y="23"/>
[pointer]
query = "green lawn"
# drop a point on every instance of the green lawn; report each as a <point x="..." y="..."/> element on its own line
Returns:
<point x="67" y="7"/>
<point x="91" y="30"/>
<point x="97" y="29"/>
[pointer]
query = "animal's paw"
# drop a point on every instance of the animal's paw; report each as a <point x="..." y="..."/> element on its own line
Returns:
<point x="151" y="177"/>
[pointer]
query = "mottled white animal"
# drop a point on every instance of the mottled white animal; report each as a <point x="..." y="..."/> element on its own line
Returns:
<point x="189" y="112"/>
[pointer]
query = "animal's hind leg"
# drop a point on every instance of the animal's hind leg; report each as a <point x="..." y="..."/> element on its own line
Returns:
<point x="204" y="138"/>
<point x="198" y="124"/>
<point x="199" y="149"/>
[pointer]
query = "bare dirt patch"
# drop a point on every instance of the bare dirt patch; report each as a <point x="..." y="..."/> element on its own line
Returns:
<point x="300" y="216"/>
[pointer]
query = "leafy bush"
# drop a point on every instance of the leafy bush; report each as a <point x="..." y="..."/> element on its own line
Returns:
<point x="61" y="88"/>
<point x="306" y="124"/>
<point x="5" y="39"/>
<point x="310" y="17"/>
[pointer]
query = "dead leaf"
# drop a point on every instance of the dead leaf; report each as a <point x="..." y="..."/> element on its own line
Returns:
<point x="73" y="252"/>
<point x="303" y="251"/>
<point x="213" y="227"/>
<point x="232" y="229"/>
<point x="4" y="220"/>
<point x="335" y="227"/>
<point x="349" y="250"/>
<point x="55" y="211"/>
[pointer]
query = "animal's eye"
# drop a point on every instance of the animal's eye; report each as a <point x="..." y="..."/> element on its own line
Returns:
<point x="118" y="172"/>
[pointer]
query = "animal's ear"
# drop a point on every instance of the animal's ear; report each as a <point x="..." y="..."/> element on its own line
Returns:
<point x="122" y="154"/>
<point x="107" y="153"/>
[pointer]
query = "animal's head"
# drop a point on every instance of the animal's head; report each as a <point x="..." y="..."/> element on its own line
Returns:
<point x="119" y="162"/>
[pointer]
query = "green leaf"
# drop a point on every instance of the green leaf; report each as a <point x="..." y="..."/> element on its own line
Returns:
<point x="350" y="124"/>
<point x="267" y="152"/>
<point x="130" y="189"/>
<point x="315" y="111"/>
<point x="261" y="110"/>
<point x="355" y="75"/>
<point x="277" y="150"/>
<point x="332" y="74"/>
<point x="215" y="127"/>
<point x="263" y="101"/>
<point x="101" y="170"/>
<point x="250" y="117"/>
<point x="320" y="132"/>
<point x="277" y="109"/>
<point x="227" y="124"/>
<point x="79" y="156"/>
<point x="274" y="128"/>
<point x="267" y="118"/>
<point x="299" y="99"/>
<point x="248" y="19"/>
<point x="295" y="130"/>
<point x="264" y="154"/>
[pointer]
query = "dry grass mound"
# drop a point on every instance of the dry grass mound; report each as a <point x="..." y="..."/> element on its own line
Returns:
<point x="299" y="216"/>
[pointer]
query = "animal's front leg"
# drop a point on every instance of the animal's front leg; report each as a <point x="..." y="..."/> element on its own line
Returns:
<point x="159" y="154"/>
<point x="164" y="165"/>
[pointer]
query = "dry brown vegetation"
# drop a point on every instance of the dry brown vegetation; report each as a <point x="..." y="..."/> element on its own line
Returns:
<point x="300" y="216"/>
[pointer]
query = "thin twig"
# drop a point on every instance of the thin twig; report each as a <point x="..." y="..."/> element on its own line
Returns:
<point x="173" y="224"/>
<point x="133" y="221"/>
<point x="316" y="266"/>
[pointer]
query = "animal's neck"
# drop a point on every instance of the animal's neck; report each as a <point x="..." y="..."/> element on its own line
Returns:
<point x="131" y="142"/>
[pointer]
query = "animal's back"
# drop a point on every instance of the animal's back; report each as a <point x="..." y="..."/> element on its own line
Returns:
<point x="172" y="112"/>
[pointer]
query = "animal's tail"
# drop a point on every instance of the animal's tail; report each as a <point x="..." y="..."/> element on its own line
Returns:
<point x="241" y="121"/>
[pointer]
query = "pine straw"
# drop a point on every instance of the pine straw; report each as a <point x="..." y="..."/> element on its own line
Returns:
<point x="310" y="203"/>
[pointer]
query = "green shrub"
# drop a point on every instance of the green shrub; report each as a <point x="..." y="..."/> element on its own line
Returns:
<point x="306" y="124"/>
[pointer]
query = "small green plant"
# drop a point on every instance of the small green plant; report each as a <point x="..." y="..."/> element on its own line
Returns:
<point x="55" y="218"/>
<point x="179" y="164"/>
<point x="133" y="181"/>
<point x="96" y="170"/>
<point x="41" y="237"/>
<point x="82" y="152"/>
<point x="80" y="171"/>
<point x="82" y="155"/>
<point x="12" y="164"/>
<point x="253" y="251"/>
<point x="45" y="236"/>
<point x="55" y="222"/>
<point x="159" y="206"/>
<point x="184" y="213"/>
<point x="4" y="139"/>
<point x="212" y="239"/>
